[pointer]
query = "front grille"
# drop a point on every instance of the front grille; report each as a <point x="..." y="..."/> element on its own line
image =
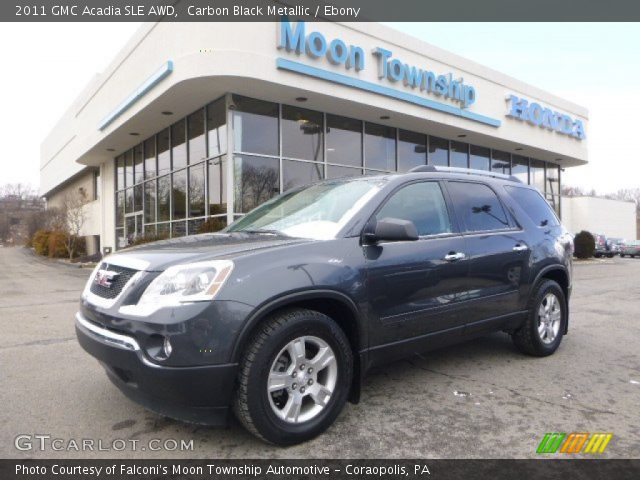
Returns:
<point x="117" y="284"/>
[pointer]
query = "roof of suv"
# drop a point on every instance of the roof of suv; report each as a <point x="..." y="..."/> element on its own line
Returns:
<point x="464" y="171"/>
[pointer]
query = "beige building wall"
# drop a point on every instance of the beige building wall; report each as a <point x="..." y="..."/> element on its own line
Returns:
<point x="613" y="218"/>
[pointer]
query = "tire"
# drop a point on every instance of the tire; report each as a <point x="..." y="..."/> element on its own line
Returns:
<point x="272" y="416"/>
<point x="528" y="338"/>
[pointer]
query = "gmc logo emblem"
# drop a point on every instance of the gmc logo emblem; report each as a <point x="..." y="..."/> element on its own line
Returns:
<point x="105" y="278"/>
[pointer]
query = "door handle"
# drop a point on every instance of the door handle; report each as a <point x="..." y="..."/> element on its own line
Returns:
<point x="455" y="256"/>
<point x="520" y="247"/>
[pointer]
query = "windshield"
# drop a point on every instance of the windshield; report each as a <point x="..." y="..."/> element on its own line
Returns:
<point x="317" y="211"/>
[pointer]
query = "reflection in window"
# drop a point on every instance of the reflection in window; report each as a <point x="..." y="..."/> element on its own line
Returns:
<point x="334" y="171"/>
<point x="150" y="201"/>
<point x="164" y="195"/>
<point x="178" y="229"/>
<point x="438" y="151"/>
<point x="501" y="162"/>
<point x="520" y="168"/>
<point x="301" y="133"/>
<point x="412" y="150"/>
<point x="179" y="195"/>
<point x="120" y="172"/>
<point x="479" y="158"/>
<point x="459" y="154"/>
<point x="178" y="145"/>
<point x="164" y="155"/>
<point x="150" y="158"/>
<point x="216" y="127"/>
<point x="379" y="146"/>
<point x="217" y="186"/>
<point x="421" y="203"/>
<point x="195" y="135"/>
<point x="196" y="191"/>
<point x="128" y="168"/>
<point x="536" y="174"/>
<point x="256" y="180"/>
<point x="137" y="198"/>
<point x="479" y="206"/>
<point x="532" y="203"/>
<point x="344" y="140"/>
<point x="553" y="179"/>
<point x="138" y="163"/>
<point x="128" y="200"/>
<point x="119" y="209"/>
<point x="295" y="174"/>
<point x="255" y="126"/>
<point x="163" y="230"/>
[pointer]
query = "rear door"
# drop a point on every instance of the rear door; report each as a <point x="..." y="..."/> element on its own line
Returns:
<point x="497" y="251"/>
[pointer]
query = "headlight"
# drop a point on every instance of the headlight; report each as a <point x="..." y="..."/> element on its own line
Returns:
<point x="180" y="284"/>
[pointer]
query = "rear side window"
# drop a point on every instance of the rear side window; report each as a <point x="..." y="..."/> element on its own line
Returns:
<point x="536" y="207"/>
<point x="478" y="207"/>
<point x="421" y="203"/>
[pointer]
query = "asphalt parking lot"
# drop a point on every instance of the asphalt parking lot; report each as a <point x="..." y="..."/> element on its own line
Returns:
<point x="477" y="400"/>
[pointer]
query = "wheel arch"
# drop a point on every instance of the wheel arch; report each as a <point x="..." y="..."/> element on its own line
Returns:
<point x="560" y="275"/>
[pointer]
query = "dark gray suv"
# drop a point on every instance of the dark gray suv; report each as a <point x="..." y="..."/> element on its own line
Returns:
<point x="280" y="316"/>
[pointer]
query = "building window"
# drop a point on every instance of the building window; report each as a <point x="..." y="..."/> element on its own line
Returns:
<point x="301" y="133"/>
<point x="164" y="198"/>
<point x="138" y="164"/>
<point x="379" y="147"/>
<point x="150" y="201"/>
<point x="255" y="126"/>
<point x="179" y="195"/>
<point x="412" y="150"/>
<point x="501" y="162"/>
<point x="195" y="135"/>
<point x="536" y="174"/>
<point x="256" y="179"/>
<point x="217" y="186"/>
<point x="295" y="174"/>
<point x="97" y="185"/>
<point x="344" y="141"/>
<point x="120" y="172"/>
<point x="479" y="158"/>
<point x="217" y="127"/>
<point x="164" y="154"/>
<point x="438" y="151"/>
<point x="196" y="190"/>
<point x="178" y="145"/>
<point x="150" y="167"/>
<point x="128" y="169"/>
<point x="459" y="155"/>
<point x="334" y="171"/>
<point x="520" y="168"/>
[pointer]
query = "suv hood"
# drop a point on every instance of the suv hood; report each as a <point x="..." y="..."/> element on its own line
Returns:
<point x="158" y="256"/>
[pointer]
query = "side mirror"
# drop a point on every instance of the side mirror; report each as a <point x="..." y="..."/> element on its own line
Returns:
<point x="392" y="230"/>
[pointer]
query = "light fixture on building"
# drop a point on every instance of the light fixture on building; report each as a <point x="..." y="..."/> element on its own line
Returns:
<point x="385" y="117"/>
<point x="134" y="134"/>
<point x="167" y="112"/>
<point x="111" y="149"/>
<point x="301" y="99"/>
<point x="518" y="149"/>
<point x="461" y="136"/>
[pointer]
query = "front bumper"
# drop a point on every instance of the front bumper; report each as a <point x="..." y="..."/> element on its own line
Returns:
<point x="200" y="394"/>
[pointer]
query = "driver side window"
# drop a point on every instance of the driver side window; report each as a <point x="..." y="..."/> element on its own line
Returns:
<point x="421" y="203"/>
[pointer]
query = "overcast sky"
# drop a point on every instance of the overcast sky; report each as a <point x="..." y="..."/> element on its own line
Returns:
<point x="594" y="65"/>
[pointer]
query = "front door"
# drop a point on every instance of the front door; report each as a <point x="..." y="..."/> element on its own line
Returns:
<point x="414" y="287"/>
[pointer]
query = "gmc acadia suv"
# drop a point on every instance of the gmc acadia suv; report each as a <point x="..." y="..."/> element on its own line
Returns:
<point x="280" y="316"/>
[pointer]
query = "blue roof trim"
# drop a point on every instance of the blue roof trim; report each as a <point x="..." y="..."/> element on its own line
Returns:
<point x="284" y="64"/>
<point x="139" y="92"/>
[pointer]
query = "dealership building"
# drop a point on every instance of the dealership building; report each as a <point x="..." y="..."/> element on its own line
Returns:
<point x="194" y="124"/>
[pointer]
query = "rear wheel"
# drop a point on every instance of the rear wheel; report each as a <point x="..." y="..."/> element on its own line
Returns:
<point x="546" y="321"/>
<point x="294" y="377"/>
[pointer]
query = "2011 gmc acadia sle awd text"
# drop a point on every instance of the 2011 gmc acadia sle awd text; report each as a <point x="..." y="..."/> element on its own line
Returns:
<point x="279" y="316"/>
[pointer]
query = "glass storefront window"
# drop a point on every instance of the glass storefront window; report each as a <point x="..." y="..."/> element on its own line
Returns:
<point x="334" y="171"/>
<point x="301" y="133"/>
<point x="178" y="145"/>
<point x="257" y="179"/>
<point x="217" y="186"/>
<point x="412" y="150"/>
<point x="479" y="158"/>
<point x="150" y="201"/>
<point x="195" y="136"/>
<point x="196" y="190"/>
<point x="164" y="196"/>
<point x="128" y="200"/>
<point x="137" y="198"/>
<point x="438" y="152"/>
<point x="178" y="229"/>
<point x="255" y="126"/>
<point x="120" y="172"/>
<point x="150" y="158"/>
<point x="553" y="179"/>
<point x="500" y="162"/>
<point x="128" y="168"/>
<point x="138" y="163"/>
<point x="295" y="174"/>
<point x="344" y="140"/>
<point x="217" y="127"/>
<point x="163" y="230"/>
<point x="179" y="195"/>
<point x="520" y="168"/>
<point x="536" y="174"/>
<point x="459" y="154"/>
<point x="379" y="147"/>
<point x="119" y="209"/>
<point x="164" y="154"/>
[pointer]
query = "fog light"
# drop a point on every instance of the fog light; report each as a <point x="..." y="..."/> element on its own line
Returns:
<point x="166" y="346"/>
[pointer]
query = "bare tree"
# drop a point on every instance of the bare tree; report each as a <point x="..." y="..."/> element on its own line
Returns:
<point x="71" y="218"/>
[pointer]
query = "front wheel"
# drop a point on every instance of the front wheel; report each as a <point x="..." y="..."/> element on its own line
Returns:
<point x="546" y="321"/>
<point x="294" y="377"/>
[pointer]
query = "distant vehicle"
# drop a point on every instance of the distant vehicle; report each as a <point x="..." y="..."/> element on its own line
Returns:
<point x="630" y="248"/>
<point x="616" y="245"/>
<point x="603" y="248"/>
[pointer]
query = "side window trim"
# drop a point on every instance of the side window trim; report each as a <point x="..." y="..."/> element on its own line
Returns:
<point x="512" y="224"/>
<point x="456" y="231"/>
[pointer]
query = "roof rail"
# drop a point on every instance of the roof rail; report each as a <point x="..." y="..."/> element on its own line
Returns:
<point x="468" y="171"/>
